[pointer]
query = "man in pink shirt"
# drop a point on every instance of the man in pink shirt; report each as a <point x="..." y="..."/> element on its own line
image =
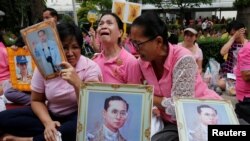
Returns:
<point x="171" y="70"/>
<point x="242" y="72"/>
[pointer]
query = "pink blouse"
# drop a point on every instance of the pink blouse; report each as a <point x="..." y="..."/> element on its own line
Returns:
<point x="122" y="69"/>
<point x="180" y="78"/>
<point x="4" y="64"/>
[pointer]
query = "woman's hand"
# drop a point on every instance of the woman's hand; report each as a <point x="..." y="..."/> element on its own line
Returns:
<point x="92" y="32"/>
<point x="50" y="131"/>
<point x="239" y="33"/>
<point x="69" y="74"/>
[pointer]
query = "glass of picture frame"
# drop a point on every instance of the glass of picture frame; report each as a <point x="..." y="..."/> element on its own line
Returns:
<point x="45" y="47"/>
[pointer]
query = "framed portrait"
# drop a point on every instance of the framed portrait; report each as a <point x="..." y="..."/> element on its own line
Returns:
<point x="21" y="67"/>
<point x="126" y="11"/>
<point x="194" y="115"/>
<point x="134" y="10"/>
<point x="45" y="47"/>
<point x="123" y="109"/>
<point x="118" y="7"/>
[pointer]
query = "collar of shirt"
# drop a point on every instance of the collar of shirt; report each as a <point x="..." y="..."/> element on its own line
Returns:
<point x="109" y="135"/>
<point x="79" y="65"/>
<point x="167" y="63"/>
<point x="116" y="58"/>
<point x="45" y="45"/>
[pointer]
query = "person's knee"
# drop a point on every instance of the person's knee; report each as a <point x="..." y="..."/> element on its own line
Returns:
<point x="167" y="136"/>
<point x="4" y="117"/>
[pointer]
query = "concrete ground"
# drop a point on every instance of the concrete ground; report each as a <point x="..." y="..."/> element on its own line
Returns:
<point x="233" y="100"/>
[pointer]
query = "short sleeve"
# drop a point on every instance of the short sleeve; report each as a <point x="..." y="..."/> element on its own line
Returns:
<point x="37" y="82"/>
<point x="184" y="76"/>
<point x="93" y="72"/>
<point x="244" y="58"/>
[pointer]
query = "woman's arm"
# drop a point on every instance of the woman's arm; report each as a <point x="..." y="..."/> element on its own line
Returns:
<point x="184" y="78"/>
<point x="224" y="50"/>
<point x="94" y="40"/>
<point x="40" y="109"/>
<point x="246" y="75"/>
<point x="200" y="59"/>
<point x="240" y="33"/>
<point x="70" y="75"/>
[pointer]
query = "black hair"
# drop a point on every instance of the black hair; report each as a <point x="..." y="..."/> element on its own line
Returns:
<point x="43" y="31"/>
<point x="53" y="12"/>
<point x="205" y="106"/>
<point x="112" y="98"/>
<point x="69" y="29"/>
<point x="173" y="39"/>
<point x="118" y="21"/>
<point x="19" y="42"/>
<point x="234" y="25"/>
<point x="1" y="37"/>
<point x="152" y="26"/>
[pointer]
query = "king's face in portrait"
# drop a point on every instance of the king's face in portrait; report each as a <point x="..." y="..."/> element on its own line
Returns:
<point x="208" y="116"/>
<point x="116" y="115"/>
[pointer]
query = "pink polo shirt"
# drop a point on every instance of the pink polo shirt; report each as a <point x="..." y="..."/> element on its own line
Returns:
<point x="121" y="69"/>
<point x="4" y="64"/>
<point x="180" y="78"/>
<point x="243" y="64"/>
<point x="59" y="93"/>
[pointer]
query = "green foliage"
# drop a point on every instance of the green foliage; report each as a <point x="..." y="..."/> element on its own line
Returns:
<point x="218" y="27"/>
<point x="211" y="49"/>
<point x="173" y="26"/>
<point x="83" y="12"/>
<point x="179" y="3"/>
<point x="9" y="39"/>
<point x="19" y="13"/>
<point x="241" y="3"/>
<point x="66" y="18"/>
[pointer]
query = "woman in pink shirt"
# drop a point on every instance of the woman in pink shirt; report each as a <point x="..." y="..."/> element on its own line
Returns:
<point x="117" y="65"/>
<point x="54" y="102"/>
<point x="171" y="70"/>
<point x="189" y="42"/>
<point x="4" y="65"/>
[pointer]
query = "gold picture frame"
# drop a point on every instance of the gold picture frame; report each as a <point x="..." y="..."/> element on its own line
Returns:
<point x="118" y="7"/>
<point x="191" y="113"/>
<point x="21" y="66"/>
<point x="126" y="11"/>
<point x="45" y="47"/>
<point x="91" y="108"/>
<point x="134" y="10"/>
